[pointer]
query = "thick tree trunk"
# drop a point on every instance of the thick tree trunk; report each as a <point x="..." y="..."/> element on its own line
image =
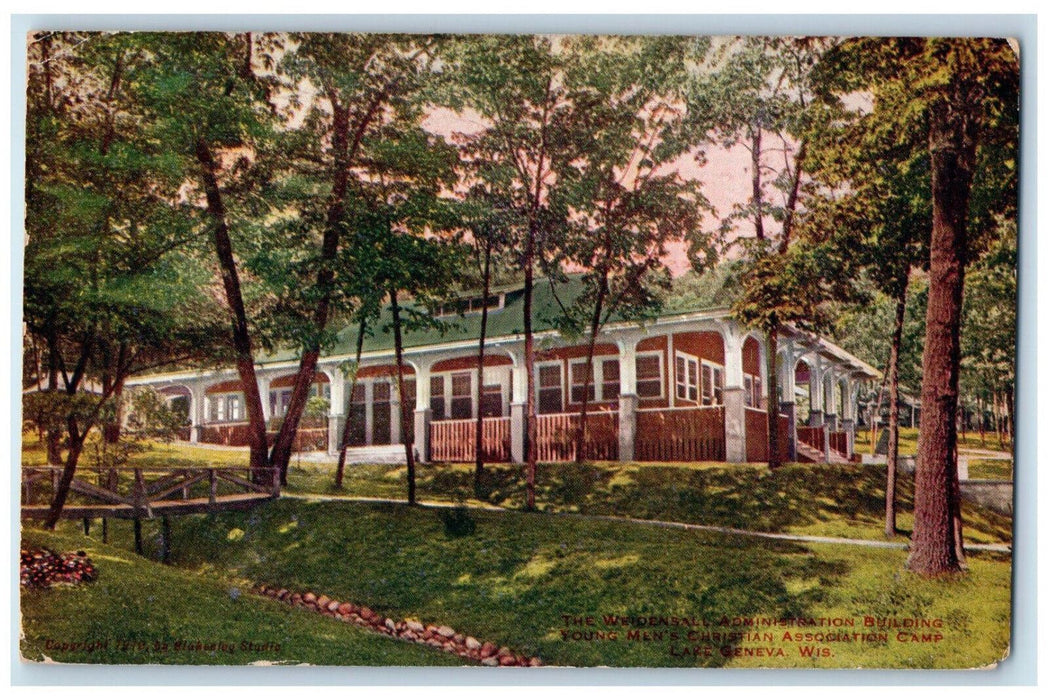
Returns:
<point x="398" y="348"/>
<point x="772" y="364"/>
<point x="478" y="472"/>
<point x="893" y="412"/>
<point x="245" y="360"/>
<point x="937" y="546"/>
<point x="344" y="441"/>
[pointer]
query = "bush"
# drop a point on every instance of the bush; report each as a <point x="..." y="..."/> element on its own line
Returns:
<point x="457" y="521"/>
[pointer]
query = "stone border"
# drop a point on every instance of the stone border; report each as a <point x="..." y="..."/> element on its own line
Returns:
<point x="440" y="637"/>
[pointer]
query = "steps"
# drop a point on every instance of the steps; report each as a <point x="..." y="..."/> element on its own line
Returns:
<point x="807" y="453"/>
<point x="376" y="454"/>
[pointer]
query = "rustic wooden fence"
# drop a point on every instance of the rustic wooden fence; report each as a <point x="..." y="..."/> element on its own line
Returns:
<point x="688" y="434"/>
<point x="133" y="492"/>
<point x="455" y="440"/>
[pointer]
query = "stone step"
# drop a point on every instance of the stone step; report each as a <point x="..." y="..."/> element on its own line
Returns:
<point x="376" y="454"/>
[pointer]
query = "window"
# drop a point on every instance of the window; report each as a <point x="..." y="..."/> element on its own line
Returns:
<point x="649" y="375"/>
<point x="461" y="395"/>
<point x="578" y="381"/>
<point x="357" y="415"/>
<point x="752" y="394"/>
<point x="436" y="397"/>
<point x="686" y="370"/>
<point x="712" y="384"/>
<point x="235" y="407"/>
<point x="491" y="401"/>
<point x="551" y="394"/>
<point x="609" y="384"/>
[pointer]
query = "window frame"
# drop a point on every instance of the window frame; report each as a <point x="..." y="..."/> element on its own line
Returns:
<point x="539" y="366"/>
<point x="662" y="374"/>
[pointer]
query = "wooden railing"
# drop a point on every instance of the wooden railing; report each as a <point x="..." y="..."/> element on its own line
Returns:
<point x="688" y="434"/>
<point x="757" y="436"/>
<point x="839" y="442"/>
<point x="455" y="440"/>
<point x="812" y="437"/>
<point x="138" y="492"/>
<point x="557" y="433"/>
<point x="307" y="439"/>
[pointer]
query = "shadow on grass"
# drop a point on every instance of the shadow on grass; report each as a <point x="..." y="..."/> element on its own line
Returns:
<point x="515" y="578"/>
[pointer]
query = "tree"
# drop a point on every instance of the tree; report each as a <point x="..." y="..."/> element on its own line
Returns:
<point x="960" y="96"/>
<point x="626" y="202"/>
<point x="107" y="291"/>
<point x="759" y="98"/>
<point x="515" y="84"/>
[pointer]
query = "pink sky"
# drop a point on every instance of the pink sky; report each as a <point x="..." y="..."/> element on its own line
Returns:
<point x="725" y="176"/>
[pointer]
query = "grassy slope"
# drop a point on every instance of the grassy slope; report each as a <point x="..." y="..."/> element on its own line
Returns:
<point x="136" y="601"/>
<point x="512" y="580"/>
<point x="831" y="500"/>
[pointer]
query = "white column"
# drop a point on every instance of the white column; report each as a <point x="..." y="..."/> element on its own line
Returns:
<point x="628" y="400"/>
<point x="517" y="404"/>
<point x="369" y="411"/>
<point x="788" y="385"/>
<point x="197" y="410"/>
<point x="423" y="413"/>
<point x="263" y="390"/>
<point x="336" y="408"/>
<point x="734" y="388"/>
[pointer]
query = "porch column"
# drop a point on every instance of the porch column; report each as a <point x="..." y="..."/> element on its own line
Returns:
<point x="815" y="392"/>
<point x="830" y="387"/>
<point x="197" y="411"/>
<point x="788" y="406"/>
<point x="263" y="392"/>
<point x="734" y="395"/>
<point x="395" y="434"/>
<point x="848" y="423"/>
<point x="336" y="410"/>
<point x="628" y="400"/>
<point x="369" y="412"/>
<point x="423" y="412"/>
<point x="517" y="405"/>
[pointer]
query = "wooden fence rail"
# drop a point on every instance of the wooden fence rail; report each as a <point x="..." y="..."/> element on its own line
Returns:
<point x="455" y="440"/>
<point x="557" y="432"/>
<point x="680" y="435"/>
<point x="134" y="492"/>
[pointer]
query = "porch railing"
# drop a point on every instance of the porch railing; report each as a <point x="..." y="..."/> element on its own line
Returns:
<point x="236" y="435"/>
<point x="557" y="432"/>
<point x="455" y="440"/>
<point x="839" y="442"/>
<point x="812" y="437"/>
<point x="681" y="434"/>
<point x="757" y="435"/>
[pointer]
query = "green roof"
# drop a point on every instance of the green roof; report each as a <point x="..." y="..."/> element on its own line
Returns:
<point x="691" y="293"/>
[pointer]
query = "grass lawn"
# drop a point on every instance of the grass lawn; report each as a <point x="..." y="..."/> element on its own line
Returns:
<point x="990" y="469"/>
<point x="513" y="581"/>
<point x="836" y="500"/>
<point x="908" y="441"/>
<point x="138" y="606"/>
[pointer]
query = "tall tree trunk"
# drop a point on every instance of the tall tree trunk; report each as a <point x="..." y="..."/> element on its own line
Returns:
<point x="245" y="359"/>
<point x="893" y="410"/>
<point x="1009" y="405"/>
<point x="54" y="436"/>
<point x="771" y="362"/>
<point x="398" y="348"/>
<point x="591" y="346"/>
<point x="478" y="472"/>
<point x="344" y="441"/>
<point x="937" y="546"/>
<point x="531" y="417"/>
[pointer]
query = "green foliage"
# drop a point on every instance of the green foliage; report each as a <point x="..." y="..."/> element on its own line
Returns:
<point x="457" y="521"/>
<point x="317" y="407"/>
<point x="151" y="417"/>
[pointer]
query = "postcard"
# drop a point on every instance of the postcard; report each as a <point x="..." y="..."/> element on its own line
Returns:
<point x="515" y="350"/>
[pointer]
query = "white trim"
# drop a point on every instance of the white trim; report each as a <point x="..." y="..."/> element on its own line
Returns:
<point x="688" y="358"/>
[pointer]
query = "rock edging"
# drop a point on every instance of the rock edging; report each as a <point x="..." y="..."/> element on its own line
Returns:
<point x="438" y="636"/>
<point x="40" y="568"/>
